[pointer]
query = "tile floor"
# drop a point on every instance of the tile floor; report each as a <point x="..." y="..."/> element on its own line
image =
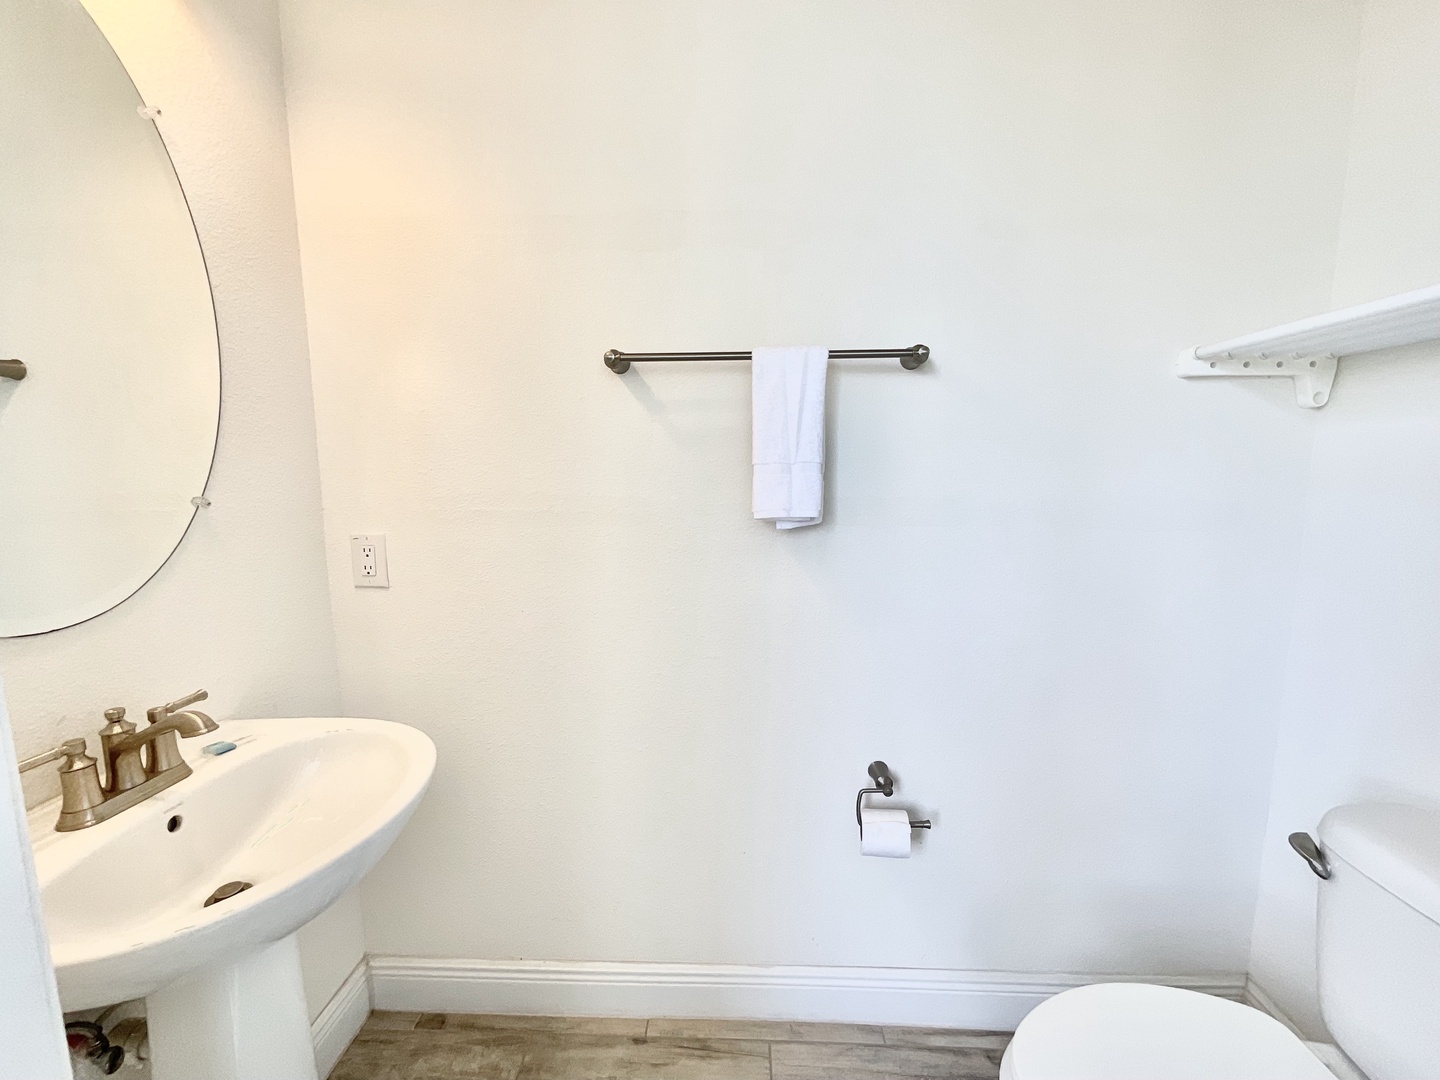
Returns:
<point x="439" y="1046"/>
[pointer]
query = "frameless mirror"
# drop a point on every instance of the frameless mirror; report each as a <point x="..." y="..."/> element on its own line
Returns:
<point x="109" y="363"/>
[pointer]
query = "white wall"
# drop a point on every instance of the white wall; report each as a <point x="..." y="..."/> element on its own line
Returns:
<point x="1054" y="581"/>
<point x="1361" y="683"/>
<point x="241" y="608"/>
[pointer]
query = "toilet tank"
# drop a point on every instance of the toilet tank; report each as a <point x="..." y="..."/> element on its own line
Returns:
<point x="1378" y="938"/>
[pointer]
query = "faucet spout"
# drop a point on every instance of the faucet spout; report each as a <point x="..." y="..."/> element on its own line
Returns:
<point x="190" y="723"/>
<point x="160" y="712"/>
<point x="186" y="724"/>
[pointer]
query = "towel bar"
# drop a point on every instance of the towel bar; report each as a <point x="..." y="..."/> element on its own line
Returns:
<point x="910" y="359"/>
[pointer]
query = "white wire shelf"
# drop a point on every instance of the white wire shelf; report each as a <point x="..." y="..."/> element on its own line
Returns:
<point x="1308" y="351"/>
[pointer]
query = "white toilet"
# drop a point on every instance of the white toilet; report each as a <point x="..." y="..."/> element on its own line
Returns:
<point x="1378" y="943"/>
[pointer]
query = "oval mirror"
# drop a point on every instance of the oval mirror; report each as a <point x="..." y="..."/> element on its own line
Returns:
<point x="109" y="362"/>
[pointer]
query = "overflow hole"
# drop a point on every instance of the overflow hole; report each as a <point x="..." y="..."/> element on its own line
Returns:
<point x="174" y="823"/>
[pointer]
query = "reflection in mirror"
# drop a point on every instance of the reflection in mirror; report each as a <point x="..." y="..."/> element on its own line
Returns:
<point x="105" y="304"/>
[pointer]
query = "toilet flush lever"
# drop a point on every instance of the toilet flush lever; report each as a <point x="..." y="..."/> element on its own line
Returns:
<point x="1310" y="851"/>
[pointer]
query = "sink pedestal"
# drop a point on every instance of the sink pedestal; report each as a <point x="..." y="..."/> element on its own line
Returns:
<point x="246" y="1020"/>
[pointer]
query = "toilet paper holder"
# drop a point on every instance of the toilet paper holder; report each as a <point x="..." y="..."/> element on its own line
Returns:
<point x="884" y="785"/>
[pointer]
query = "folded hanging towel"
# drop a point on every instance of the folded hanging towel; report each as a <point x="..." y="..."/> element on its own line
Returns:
<point x="788" y="402"/>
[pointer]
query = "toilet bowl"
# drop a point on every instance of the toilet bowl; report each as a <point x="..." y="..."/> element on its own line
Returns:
<point x="1134" y="1031"/>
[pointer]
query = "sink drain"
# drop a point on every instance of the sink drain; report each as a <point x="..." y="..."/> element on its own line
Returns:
<point x="229" y="889"/>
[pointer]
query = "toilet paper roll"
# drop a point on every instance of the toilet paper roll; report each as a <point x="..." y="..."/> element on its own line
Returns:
<point x="885" y="833"/>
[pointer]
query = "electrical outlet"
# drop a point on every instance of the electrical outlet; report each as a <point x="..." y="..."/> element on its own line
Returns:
<point x="367" y="561"/>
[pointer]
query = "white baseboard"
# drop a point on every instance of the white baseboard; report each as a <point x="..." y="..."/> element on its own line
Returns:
<point x="341" y="1019"/>
<point x="994" y="1000"/>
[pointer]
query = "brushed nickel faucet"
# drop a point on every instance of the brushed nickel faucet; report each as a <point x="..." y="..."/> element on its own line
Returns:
<point x="138" y="764"/>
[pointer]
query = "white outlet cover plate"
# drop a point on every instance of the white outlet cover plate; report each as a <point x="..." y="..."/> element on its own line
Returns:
<point x="368" y="564"/>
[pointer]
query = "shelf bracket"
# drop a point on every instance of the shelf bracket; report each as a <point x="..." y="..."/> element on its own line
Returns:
<point x="1313" y="376"/>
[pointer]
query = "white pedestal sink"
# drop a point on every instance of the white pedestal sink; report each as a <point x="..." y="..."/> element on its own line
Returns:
<point x="301" y="810"/>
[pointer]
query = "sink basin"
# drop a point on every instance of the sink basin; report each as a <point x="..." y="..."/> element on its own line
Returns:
<point x="300" y="810"/>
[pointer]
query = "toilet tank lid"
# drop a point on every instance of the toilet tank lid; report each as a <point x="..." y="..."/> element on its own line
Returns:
<point x="1394" y="845"/>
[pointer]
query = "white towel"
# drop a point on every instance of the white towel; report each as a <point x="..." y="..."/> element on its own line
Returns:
<point x="787" y="388"/>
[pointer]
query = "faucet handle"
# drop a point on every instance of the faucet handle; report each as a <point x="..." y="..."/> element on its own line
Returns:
<point x="72" y="750"/>
<point x="159" y="712"/>
<point x="188" y="699"/>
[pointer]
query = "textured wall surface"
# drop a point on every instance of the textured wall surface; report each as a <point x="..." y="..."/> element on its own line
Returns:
<point x="241" y="608"/>
<point x="1362" y="684"/>
<point x="1053" y="582"/>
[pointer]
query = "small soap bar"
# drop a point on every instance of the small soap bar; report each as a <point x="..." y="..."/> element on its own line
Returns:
<point x="215" y="749"/>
